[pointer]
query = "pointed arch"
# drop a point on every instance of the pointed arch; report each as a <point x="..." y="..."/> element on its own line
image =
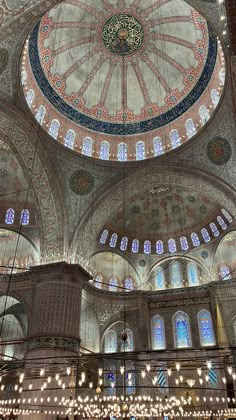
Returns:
<point x="147" y="247"/>
<point x="124" y="243"/>
<point x="140" y="150"/>
<point x="110" y="342"/>
<point x="195" y="239"/>
<point x="205" y="235"/>
<point x="190" y="128"/>
<point x="175" y="274"/>
<point x="171" y="245"/>
<point x="221" y="222"/>
<point x="182" y="334"/>
<point x="204" y="114"/>
<point x="113" y="283"/>
<point x="184" y="243"/>
<point x="25" y="217"/>
<point x="158" y="333"/>
<point x="206" y="331"/>
<point x="160" y="279"/>
<point x="105" y="150"/>
<point x="104" y="236"/>
<point x="113" y="240"/>
<point x="30" y="97"/>
<point x="135" y="246"/>
<point x="122" y="152"/>
<point x="175" y="138"/>
<point x="214" y="229"/>
<point x="128" y="284"/>
<point x="225" y="273"/>
<point x="129" y="345"/>
<point x="157" y="146"/>
<point x="40" y="114"/>
<point x="192" y="274"/>
<point x="159" y="247"/>
<point x="10" y="216"/>
<point x="215" y="97"/>
<point x="227" y="215"/>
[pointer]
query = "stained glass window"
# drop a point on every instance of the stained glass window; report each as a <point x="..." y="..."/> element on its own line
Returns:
<point x="110" y="382"/>
<point x="135" y="246"/>
<point x="140" y="150"/>
<point x="157" y="146"/>
<point x="122" y="152"/>
<point x="128" y="284"/>
<point x="175" y="274"/>
<point x="205" y="235"/>
<point x="25" y="217"/>
<point x="227" y="215"/>
<point x="159" y="247"/>
<point x="124" y="243"/>
<point x="215" y="97"/>
<point x="204" y="114"/>
<point x="130" y="379"/>
<point x="87" y="146"/>
<point x="10" y="216"/>
<point x="221" y="223"/>
<point x="184" y="243"/>
<point x="110" y="342"/>
<point x="222" y="76"/>
<point x="158" y="333"/>
<point x="225" y="272"/>
<point x="172" y="245"/>
<point x="30" y="97"/>
<point x="214" y="229"/>
<point x="195" y="239"/>
<point x="129" y="344"/>
<point x="70" y="139"/>
<point x="207" y="336"/>
<point x="182" y="330"/>
<point x="174" y="138"/>
<point x="105" y="150"/>
<point x="147" y="247"/>
<point x="162" y="379"/>
<point x="190" y="128"/>
<point x="40" y="114"/>
<point x="113" y="240"/>
<point x="192" y="273"/>
<point x="98" y="281"/>
<point x="160" y="279"/>
<point x="113" y="284"/>
<point x="104" y="236"/>
<point x="54" y="129"/>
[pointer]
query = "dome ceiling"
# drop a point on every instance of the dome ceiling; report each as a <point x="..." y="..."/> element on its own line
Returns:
<point x="123" y="68"/>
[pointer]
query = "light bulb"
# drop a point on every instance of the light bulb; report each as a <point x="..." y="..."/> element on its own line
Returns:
<point x="201" y="381"/>
<point x="209" y="364"/>
<point x="143" y="373"/>
<point x="57" y="376"/>
<point x="30" y="386"/>
<point x="100" y="371"/>
<point x="230" y="370"/>
<point x="49" y="379"/>
<point x="42" y="371"/>
<point x="169" y="372"/>
<point x="178" y="366"/>
<point x="148" y="367"/>
<point x="68" y="370"/>
<point x="90" y="385"/>
<point x="181" y="378"/>
<point x="207" y="378"/>
<point x="122" y="369"/>
<point x="224" y="380"/>
<point x="199" y="371"/>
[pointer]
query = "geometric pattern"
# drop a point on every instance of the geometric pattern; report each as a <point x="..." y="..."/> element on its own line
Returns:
<point x="81" y="182"/>
<point x="219" y="151"/>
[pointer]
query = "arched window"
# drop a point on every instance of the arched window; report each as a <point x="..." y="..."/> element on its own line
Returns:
<point x="113" y="240"/>
<point x="87" y="146"/>
<point x="222" y="76"/>
<point x="104" y="236"/>
<point x="110" y="342"/>
<point x="23" y="77"/>
<point x="157" y="146"/>
<point x="98" y="281"/>
<point x="206" y="332"/>
<point x="160" y="279"/>
<point x="110" y="381"/>
<point x="129" y="344"/>
<point x="135" y="246"/>
<point x="124" y="243"/>
<point x="158" y="333"/>
<point x="215" y="97"/>
<point x="25" y="217"/>
<point x="10" y="216"/>
<point x="192" y="273"/>
<point x="174" y="138"/>
<point x="30" y="97"/>
<point x="122" y="152"/>
<point x="54" y="129"/>
<point x="40" y="114"/>
<point x="70" y="139"/>
<point x="181" y="330"/>
<point x="172" y="245"/>
<point x="175" y="274"/>
<point x="12" y="266"/>
<point x="147" y="247"/>
<point x="130" y="379"/>
<point x="214" y="229"/>
<point x="140" y="150"/>
<point x="105" y="150"/>
<point x="159" y="247"/>
<point x="190" y="128"/>
<point x="205" y="235"/>
<point x="113" y="284"/>
<point x="204" y="114"/>
<point x="184" y="243"/>
<point x="221" y="223"/>
<point x="225" y="272"/>
<point x="227" y="215"/>
<point x="128" y="284"/>
<point x="195" y="239"/>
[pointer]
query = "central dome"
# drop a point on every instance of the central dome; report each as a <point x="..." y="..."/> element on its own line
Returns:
<point x="124" y="71"/>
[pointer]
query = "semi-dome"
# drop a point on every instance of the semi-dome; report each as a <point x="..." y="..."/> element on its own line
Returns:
<point x="123" y="80"/>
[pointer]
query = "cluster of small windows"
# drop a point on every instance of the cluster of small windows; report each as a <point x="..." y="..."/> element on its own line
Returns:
<point x="10" y="217"/>
<point x="173" y="276"/>
<point x="111" y="342"/>
<point x="182" y="243"/>
<point x="181" y="330"/>
<point x="225" y="273"/>
<point x="114" y="284"/>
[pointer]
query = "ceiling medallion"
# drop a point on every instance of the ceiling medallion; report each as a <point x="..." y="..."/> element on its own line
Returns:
<point x="122" y="34"/>
<point x="81" y="182"/>
<point x="219" y="151"/>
